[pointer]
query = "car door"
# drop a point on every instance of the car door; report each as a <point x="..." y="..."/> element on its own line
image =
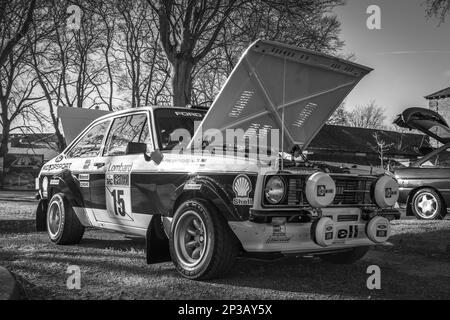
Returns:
<point x="118" y="168"/>
<point x="81" y="158"/>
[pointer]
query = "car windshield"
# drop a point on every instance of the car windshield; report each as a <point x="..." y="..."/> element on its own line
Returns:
<point x="176" y="127"/>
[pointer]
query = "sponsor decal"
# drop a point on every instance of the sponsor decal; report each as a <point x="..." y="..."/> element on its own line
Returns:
<point x="242" y="186"/>
<point x="83" y="177"/>
<point x="87" y="164"/>
<point x="118" y="180"/>
<point x="59" y="158"/>
<point x="56" y="166"/>
<point x="329" y="232"/>
<point x="192" y="186"/>
<point x="382" y="231"/>
<point x="54" y="182"/>
<point x="351" y="232"/>
<point x="279" y="235"/>
<point x="389" y="193"/>
<point x="322" y="191"/>
<point x="84" y="184"/>
<point x="188" y="114"/>
<point x="342" y="234"/>
<point x="121" y="168"/>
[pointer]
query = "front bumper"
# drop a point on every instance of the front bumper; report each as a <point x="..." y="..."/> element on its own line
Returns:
<point x="299" y="237"/>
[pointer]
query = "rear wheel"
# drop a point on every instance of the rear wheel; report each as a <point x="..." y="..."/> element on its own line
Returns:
<point x="202" y="246"/>
<point x="427" y="205"/>
<point x="63" y="226"/>
<point x="346" y="257"/>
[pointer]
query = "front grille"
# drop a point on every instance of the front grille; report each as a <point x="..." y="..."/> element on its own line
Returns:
<point x="350" y="190"/>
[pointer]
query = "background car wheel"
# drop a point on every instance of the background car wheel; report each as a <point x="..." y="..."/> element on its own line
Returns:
<point x="346" y="257"/>
<point x="202" y="246"/>
<point x="63" y="226"/>
<point x="427" y="204"/>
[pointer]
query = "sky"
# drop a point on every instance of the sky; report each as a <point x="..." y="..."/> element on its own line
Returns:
<point x="410" y="53"/>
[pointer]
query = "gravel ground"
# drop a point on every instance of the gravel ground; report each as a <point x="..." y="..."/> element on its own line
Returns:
<point x="415" y="266"/>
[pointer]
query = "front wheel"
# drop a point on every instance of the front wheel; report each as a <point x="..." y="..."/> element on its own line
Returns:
<point x="63" y="226"/>
<point x="427" y="205"/>
<point x="202" y="246"/>
<point x="346" y="257"/>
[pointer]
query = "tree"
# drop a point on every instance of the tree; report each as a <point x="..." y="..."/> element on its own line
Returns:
<point x="298" y="25"/>
<point x="17" y="82"/>
<point x="17" y="16"/>
<point x="339" y="117"/>
<point x="381" y="147"/>
<point x="368" y="116"/>
<point x="190" y="30"/>
<point x="438" y="8"/>
<point x="146" y="73"/>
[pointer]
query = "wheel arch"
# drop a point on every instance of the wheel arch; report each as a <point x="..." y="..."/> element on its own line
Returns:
<point x="207" y="190"/>
<point x="69" y="186"/>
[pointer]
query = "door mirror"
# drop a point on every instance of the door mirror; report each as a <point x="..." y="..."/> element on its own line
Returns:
<point x="136" y="148"/>
<point x="157" y="156"/>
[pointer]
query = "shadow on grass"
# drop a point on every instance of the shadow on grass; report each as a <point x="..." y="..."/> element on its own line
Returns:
<point x="128" y="243"/>
<point x="426" y="243"/>
<point x="316" y="277"/>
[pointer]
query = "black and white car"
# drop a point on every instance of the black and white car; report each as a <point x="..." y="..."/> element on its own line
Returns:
<point x="139" y="172"/>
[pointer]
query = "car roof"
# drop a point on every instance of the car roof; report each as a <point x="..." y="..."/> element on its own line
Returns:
<point x="147" y="108"/>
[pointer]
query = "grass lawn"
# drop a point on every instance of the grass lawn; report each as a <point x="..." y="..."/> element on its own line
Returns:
<point x="12" y="210"/>
<point x="416" y="266"/>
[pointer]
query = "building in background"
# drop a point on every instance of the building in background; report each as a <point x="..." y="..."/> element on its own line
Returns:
<point x="27" y="154"/>
<point x="440" y="102"/>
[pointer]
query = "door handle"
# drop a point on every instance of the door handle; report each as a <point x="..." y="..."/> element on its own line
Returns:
<point x="99" y="165"/>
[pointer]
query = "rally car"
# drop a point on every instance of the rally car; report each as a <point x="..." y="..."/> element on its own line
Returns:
<point x="204" y="187"/>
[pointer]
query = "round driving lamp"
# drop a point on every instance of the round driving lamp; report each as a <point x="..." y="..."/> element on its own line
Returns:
<point x="320" y="190"/>
<point x="275" y="190"/>
<point x="385" y="192"/>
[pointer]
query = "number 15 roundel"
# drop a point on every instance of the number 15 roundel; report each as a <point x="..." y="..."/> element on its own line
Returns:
<point x="118" y="196"/>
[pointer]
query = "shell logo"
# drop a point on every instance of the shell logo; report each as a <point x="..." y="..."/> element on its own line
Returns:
<point x="242" y="187"/>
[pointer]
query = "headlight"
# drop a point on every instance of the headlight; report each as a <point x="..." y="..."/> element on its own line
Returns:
<point x="275" y="190"/>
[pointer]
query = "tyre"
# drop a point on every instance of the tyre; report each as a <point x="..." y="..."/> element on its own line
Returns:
<point x="427" y="204"/>
<point x="346" y="257"/>
<point x="63" y="226"/>
<point x="202" y="246"/>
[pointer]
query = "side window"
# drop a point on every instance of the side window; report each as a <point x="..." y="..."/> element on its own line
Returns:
<point x="146" y="137"/>
<point x="91" y="143"/>
<point x="124" y="130"/>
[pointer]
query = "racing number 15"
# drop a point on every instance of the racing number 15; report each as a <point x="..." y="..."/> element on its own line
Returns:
<point x="119" y="202"/>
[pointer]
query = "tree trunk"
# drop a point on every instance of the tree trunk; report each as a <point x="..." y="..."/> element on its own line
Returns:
<point x="182" y="82"/>
<point x="61" y="141"/>
<point x="4" y="148"/>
